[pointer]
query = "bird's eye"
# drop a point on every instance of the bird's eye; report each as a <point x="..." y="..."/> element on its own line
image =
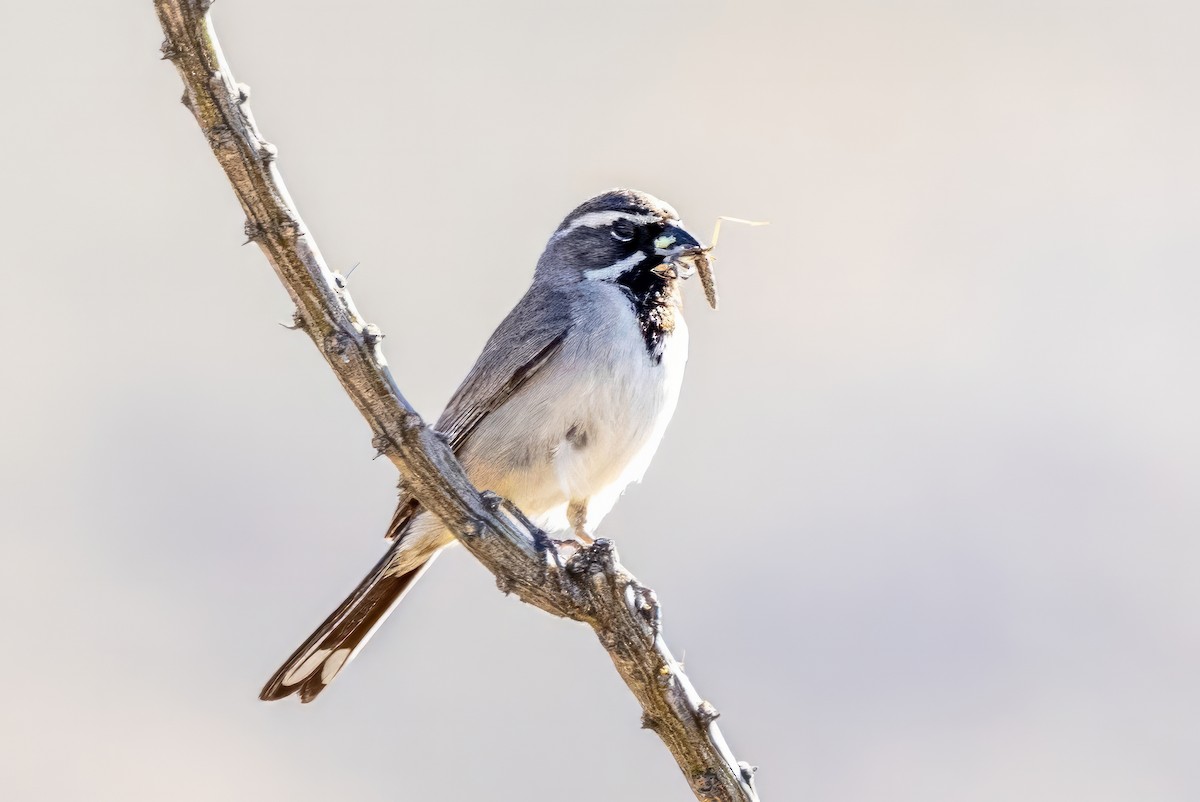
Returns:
<point x="622" y="230"/>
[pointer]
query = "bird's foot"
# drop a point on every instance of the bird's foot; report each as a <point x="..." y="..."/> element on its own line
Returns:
<point x="550" y="550"/>
<point x="570" y="546"/>
<point x="577" y="515"/>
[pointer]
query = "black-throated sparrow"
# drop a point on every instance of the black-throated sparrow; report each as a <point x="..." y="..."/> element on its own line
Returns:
<point x="564" y="408"/>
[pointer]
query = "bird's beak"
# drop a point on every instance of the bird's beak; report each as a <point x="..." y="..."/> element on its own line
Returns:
<point x="679" y="250"/>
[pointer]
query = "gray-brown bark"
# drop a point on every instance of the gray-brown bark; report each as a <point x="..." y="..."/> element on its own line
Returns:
<point x="587" y="585"/>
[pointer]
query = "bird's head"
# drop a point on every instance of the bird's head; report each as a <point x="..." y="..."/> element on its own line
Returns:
<point x="621" y="236"/>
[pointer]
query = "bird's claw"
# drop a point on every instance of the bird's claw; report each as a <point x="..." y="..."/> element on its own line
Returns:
<point x="549" y="549"/>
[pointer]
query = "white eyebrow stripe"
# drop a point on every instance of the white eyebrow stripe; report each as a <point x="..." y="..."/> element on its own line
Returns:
<point x="598" y="219"/>
<point x="614" y="270"/>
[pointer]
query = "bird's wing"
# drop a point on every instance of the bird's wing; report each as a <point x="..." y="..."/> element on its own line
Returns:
<point x="522" y="344"/>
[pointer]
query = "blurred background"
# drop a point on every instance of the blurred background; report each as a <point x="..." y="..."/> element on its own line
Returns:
<point x="925" y="525"/>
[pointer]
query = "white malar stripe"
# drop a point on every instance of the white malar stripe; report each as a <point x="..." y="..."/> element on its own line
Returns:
<point x="333" y="665"/>
<point x="612" y="271"/>
<point x="301" y="672"/>
<point x="599" y="219"/>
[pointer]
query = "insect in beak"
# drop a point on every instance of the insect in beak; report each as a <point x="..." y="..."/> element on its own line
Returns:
<point x="684" y="257"/>
<point x="703" y="258"/>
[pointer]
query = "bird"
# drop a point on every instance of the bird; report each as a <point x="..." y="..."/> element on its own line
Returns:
<point x="562" y="411"/>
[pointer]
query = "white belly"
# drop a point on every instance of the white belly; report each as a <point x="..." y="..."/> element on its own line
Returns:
<point x="593" y="429"/>
<point x="624" y="408"/>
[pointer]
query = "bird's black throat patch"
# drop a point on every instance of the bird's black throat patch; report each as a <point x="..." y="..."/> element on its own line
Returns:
<point x="650" y="295"/>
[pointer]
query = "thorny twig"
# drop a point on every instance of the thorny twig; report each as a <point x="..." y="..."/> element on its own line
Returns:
<point x="590" y="586"/>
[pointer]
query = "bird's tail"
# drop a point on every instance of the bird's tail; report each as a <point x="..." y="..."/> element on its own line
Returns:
<point x="338" y="639"/>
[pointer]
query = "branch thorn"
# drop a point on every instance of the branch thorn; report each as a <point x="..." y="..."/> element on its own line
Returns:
<point x="220" y="136"/>
<point x="372" y="334"/>
<point x="643" y="601"/>
<point x="296" y="324"/>
<point x="253" y="231"/>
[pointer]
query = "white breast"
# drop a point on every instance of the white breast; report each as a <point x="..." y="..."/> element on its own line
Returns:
<point x="587" y="424"/>
<point x="623" y="403"/>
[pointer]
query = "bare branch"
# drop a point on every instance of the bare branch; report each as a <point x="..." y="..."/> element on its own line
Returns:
<point x="586" y="584"/>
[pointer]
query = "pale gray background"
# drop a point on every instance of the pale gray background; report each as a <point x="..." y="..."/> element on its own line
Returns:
<point x="925" y="523"/>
